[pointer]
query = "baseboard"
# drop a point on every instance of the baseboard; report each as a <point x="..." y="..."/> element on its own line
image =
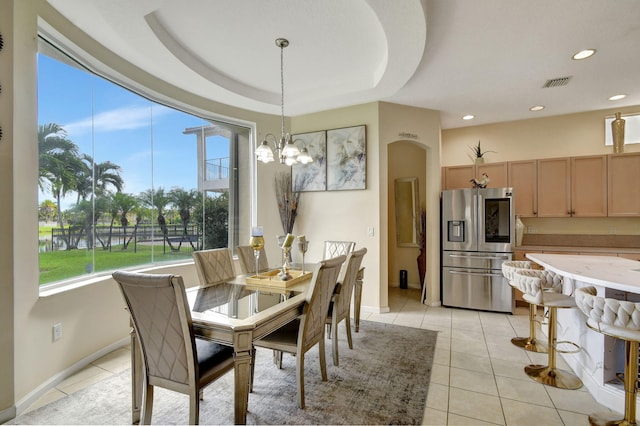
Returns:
<point x="8" y="414"/>
<point x="35" y="394"/>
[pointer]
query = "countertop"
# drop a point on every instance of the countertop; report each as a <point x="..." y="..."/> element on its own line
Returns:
<point x="606" y="271"/>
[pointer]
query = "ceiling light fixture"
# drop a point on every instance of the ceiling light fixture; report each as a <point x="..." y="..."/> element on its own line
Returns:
<point x="469" y="117"/>
<point x="617" y="97"/>
<point x="584" y="54"/>
<point x="288" y="152"/>
<point x="536" y="108"/>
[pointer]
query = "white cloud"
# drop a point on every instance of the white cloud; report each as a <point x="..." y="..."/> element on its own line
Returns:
<point x="125" y="118"/>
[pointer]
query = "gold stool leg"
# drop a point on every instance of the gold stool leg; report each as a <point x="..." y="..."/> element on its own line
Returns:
<point x="530" y="343"/>
<point x="549" y="374"/>
<point x="630" y="391"/>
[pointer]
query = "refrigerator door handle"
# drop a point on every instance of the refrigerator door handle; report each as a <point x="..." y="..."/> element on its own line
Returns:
<point x="463" y="256"/>
<point x="476" y="274"/>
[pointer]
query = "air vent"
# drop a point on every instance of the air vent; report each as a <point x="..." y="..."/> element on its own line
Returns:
<point x="557" y="82"/>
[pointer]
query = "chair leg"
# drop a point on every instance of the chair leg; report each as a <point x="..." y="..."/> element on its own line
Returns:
<point x="530" y="343"/>
<point x="147" y="405"/>
<point x="549" y="374"/>
<point x="300" y="378"/>
<point x="334" y="340"/>
<point x="323" y="360"/>
<point x="630" y="391"/>
<point x="253" y="368"/>
<point x="347" y="323"/>
<point x="194" y="407"/>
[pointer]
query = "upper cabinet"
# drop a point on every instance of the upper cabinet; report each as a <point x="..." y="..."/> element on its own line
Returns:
<point x="589" y="186"/>
<point x="572" y="187"/>
<point x="554" y="187"/>
<point x="459" y="177"/>
<point x="624" y="184"/>
<point x="523" y="178"/>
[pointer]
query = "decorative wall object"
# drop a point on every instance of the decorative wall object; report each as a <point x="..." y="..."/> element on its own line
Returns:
<point x="311" y="176"/>
<point x="347" y="158"/>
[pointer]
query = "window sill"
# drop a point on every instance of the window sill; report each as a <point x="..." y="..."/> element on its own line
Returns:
<point x="48" y="290"/>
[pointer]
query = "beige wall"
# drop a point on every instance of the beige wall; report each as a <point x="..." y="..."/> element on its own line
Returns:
<point x="7" y="77"/>
<point x="346" y="215"/>
<point x="559" y="136"/>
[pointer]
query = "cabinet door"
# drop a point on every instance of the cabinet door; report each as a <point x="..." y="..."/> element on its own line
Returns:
<point x="523" y="176"/>
<point x="554" y="187"/>
<point x="589" y="186"/>
<point x="624" y="184"/>
<point x="497" y="172"/>
<point x="456" y="177"/>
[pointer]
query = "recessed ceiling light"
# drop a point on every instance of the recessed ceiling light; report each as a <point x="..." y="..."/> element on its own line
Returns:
<point x="468" y="117"/>
<point x="536" y="108"/>
<point x="584" y="54"/>
<point x="617" y="97"/>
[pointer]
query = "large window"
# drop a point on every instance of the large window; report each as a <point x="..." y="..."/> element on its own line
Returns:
<point x="126" y="181"/>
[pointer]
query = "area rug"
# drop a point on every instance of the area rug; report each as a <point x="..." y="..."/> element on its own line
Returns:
<point x="383" y="380"/>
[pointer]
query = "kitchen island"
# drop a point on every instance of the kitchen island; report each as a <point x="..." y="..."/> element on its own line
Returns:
<point x="600" y="357"/>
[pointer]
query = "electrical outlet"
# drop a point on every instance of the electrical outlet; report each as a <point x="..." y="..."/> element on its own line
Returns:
<point x="531" y="230"/>
<point x="612" y="230"/>
<point x="57" y="331"/>
<point x="370" y="231"/>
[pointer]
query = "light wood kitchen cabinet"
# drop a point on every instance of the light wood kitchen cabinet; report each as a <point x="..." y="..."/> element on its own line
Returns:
<point x="554" y="187"/>
<point x="624" y="184"/>
<point x="456" y="177"/>
<point x="589" y="186"/>
<point x="497" y="172"/>
<point x="572" y="187"/>
<point x="523" y="177"/>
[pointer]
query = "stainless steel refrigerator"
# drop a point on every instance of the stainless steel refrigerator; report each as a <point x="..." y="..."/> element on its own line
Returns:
<point x="478" y="235"/>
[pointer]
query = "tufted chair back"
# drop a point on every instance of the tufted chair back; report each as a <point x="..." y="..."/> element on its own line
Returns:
<point x="617" y="318"/>
<point x="509" y="268"/>
<point x="214" y="266"/>
<point x="337" y="248"/>
<point x="534" y="283"/>
<point x="248" y="260"/>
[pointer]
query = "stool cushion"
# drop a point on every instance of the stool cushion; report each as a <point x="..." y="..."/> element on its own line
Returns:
<point x="537" y="286"/>
<point x="616" y="318"/>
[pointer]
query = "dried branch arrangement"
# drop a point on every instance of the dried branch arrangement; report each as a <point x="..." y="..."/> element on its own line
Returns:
<point x="288" y="201"/>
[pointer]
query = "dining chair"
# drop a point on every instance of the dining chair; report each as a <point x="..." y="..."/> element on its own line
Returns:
<point x="172" y="357"/>
<point x="247" y="260"/>
<point x="214" y="265"/>
<point x="304" y="332"/>
<point x="340" y="305"/>
<point x="337" y="248"/>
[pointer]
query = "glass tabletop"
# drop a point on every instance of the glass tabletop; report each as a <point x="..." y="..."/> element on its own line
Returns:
<point x="234" y="300"/>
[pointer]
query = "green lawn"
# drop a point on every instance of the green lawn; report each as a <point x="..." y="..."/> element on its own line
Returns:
<point x="60" y="265"/>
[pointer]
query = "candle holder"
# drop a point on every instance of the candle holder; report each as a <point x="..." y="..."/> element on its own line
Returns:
<point x="303" y="245"/>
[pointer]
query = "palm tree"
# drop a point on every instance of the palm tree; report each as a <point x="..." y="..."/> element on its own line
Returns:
<point x="59" y="164"/>
<point x="124" y="203"/>
<point x="185" y="202"/>
<point x="104" y="175"/>
<point x="159" y="200"/>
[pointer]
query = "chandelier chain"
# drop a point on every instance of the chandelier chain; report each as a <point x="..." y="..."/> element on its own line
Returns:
<point x="282" y="46"/>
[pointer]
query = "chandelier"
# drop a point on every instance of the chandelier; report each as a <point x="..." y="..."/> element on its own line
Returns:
<point x="288" y="152"/>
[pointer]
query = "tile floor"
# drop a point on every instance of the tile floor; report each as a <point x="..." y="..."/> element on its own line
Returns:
<point x="477" y="376"/>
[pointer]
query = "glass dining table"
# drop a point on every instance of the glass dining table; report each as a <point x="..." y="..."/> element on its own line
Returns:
<point x="232" y="313"/>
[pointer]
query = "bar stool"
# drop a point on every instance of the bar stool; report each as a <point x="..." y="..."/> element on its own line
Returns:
<point x="528" y="343"/>
<point x="534" y="285"/>
<point x="619" y="319"/>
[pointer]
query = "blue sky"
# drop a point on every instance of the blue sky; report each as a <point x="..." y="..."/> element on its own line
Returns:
<point x="112" y="124"/>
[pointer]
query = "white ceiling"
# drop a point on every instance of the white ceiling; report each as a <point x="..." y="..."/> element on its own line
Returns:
<point x="489" y="58"/>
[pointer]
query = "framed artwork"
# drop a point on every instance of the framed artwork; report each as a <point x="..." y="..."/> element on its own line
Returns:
<point x="311" y="176"/>
<point x="347" y="158"/>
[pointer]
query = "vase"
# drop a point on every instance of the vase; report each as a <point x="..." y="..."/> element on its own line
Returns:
<point x="519" y="231"/>
<point x="617" y="133"/>
<point x="479" y="160"/>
